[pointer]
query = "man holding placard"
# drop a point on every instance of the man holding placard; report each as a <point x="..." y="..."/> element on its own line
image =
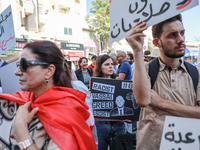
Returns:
<point x="173" y="91"/>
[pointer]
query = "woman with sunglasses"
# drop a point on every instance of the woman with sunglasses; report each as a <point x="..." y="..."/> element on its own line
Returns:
<point x="52" y="114"/>
<point x="104" y="69"/>
<point x="84" y="73"/>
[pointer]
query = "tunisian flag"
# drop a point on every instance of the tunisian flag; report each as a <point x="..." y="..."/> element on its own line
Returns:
<point x="64" y="114"/>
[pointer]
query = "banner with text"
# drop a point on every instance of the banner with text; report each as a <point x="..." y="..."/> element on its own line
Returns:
<point x="113" y="99"/>
<point x="180" y="134"/>
<point x="125" y="14"/>
<point x="7" y="33"/>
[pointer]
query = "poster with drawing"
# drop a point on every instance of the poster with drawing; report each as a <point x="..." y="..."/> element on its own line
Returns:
<point x="124" y="14"/>
<point x="7" y="33"/>
<point x="113" y="99"/>
<point x="180" y="134"/>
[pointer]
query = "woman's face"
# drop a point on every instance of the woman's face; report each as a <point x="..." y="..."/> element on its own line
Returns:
<point x="107" y="68"/>
<point x="33" y="79"/>
<point x="84" y="64"/>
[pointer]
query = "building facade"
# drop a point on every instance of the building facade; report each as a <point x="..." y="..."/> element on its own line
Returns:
<point x="60" y="21"/>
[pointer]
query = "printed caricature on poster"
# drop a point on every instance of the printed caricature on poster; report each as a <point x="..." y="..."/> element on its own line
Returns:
<point x="7" y="33"/>
<point x="124" y="14"/>
<point x="113" y="99"/>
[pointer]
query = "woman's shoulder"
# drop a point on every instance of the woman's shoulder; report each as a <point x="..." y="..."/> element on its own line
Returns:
<point x="78" y="71"/>
<point x="90" y="71"/>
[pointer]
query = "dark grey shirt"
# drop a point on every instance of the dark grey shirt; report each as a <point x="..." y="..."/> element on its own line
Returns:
<point x="86" y="78"/>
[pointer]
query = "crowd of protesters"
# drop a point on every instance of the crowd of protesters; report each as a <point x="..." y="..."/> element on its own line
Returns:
<point x="53" y="115"/>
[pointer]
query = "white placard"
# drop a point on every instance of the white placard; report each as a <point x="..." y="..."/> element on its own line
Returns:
<point x="124" y="14"/>
<point x="9" y="81"/>
<point x="180" y="134"/>
<point x="7" y="33"/>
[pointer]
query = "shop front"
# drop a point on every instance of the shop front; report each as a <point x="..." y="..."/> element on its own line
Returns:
<point x="74" y="50"/>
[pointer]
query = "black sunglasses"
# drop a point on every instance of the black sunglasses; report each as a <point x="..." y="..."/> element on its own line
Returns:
<point x="23" y="63"/>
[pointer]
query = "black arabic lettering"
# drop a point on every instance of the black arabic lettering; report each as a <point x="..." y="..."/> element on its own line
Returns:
<point x="114" y="36"/>
<point x="180" y="138"/>
<point x="6" y="16"/>
<point x="2" y="31"/>
<point x="132" y="11"/>
<point x="123" y="28"/>
<point x="143" y="7"/>
<point x="163" y="9"/>
<point x="136" y="20"/>
<point x="169" y="136"/>
<point x="182" y="3"/>
<point x="188" y="140"/>
<point x="151" y="11"/>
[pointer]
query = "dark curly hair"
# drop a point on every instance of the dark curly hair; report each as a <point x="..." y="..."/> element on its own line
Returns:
<point x="100" y="60"/>
<point x="157" y="29"/>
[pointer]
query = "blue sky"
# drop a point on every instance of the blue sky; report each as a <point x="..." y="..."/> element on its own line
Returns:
<point x="191" y="21"/>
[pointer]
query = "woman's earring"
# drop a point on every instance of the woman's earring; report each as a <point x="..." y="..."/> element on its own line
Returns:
<point x="46" y="81"/>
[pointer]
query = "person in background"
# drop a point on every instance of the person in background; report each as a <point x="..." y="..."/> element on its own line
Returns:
<point x="124" y="70"/>
<point x="94" y="57"/>
<point x="84" y="73"/>
<point x="154" y="54"/>
<point x="80" y="86"/>
<point x="67" y="58"/>
<point x="104" y="69"/>
<point x="146" y="53"/>
<point x="46" y="97"/>
<point x="130" y="59"/>
<point x="115" y="63"/>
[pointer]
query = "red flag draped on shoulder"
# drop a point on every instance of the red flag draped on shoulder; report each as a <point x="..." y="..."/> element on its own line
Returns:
<point x="64" y="115"/>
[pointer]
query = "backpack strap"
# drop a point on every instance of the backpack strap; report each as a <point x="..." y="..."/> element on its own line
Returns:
<point x="192" y="70"/>
<point x="153" y="70"/>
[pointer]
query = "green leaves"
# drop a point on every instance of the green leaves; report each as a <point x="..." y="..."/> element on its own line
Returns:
<point x="100" y="22"/>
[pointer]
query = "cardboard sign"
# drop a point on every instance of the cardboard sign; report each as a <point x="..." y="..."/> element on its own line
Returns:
<point x="124" y="14"/>
<point x="113" y="99"/>
<point x="180" y="134"/>
<point x="7" y="33"/>
<point x="9" y="81"/>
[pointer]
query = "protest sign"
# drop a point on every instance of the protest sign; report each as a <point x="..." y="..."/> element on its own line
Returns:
<point x="113" y="99"/>
<point x="7" y="113"/>
<point x="180" y="134"/>
<point x="125" y="14"/>
<point x="7" y="33"/>
<point x="9" y="81"/>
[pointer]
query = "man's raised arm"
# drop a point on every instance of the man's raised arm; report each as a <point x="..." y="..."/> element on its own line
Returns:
<point x="141" y="85"/>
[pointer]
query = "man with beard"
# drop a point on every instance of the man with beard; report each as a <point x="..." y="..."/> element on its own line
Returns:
<point x="173" y="92"/>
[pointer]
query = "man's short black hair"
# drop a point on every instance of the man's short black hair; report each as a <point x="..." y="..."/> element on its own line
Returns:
<point x="130" y="55"/>
<point x="94" y="57"/>
<point x="157" y="29"/>
<point x="147" y="52"/>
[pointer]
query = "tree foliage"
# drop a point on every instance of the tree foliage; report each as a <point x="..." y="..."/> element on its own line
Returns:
<point x="101" y="19"/>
